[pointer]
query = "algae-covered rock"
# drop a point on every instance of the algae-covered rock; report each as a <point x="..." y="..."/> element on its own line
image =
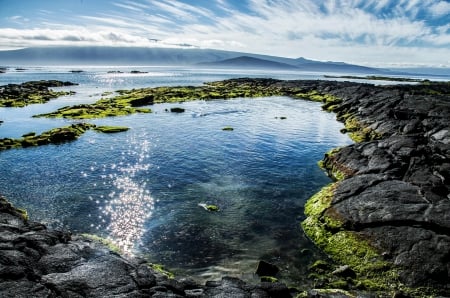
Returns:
<point x="212" y="208"/>
<point x="385" y="216"/>
<point x="111" y="129"/>
<point x="53" y="136"/>
<point x="20" y="95"/>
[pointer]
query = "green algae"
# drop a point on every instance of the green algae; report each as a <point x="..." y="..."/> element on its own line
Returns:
<point x="270" y="279"/>
<point x="56" y="135"/>
<point x="332" y="170"/>
<point x="314" y="95"/>
<point x="23" y="213"/>
<point x="129" y="101"/>
<point x="53" y="136"/>
<point x="211" y="208"/>
<point x="104" y="241"/>
<point x="33" y="92"/>
<point x="111" y="129"/>
<point x="326" y="229"/>
<point x="356" y="130"/>
<point x="161" y="269"/>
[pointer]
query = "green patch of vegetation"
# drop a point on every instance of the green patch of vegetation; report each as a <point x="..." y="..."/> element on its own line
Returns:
<point x="33" y="92"/>
<point x="161" y="269"/>
<point x="128" y="101"/>
<point x="332" y="170"/>
<point x="356" y="130"/>
<point x="53" y="136"/>
<point x="315" y="95"/>
<point x="101" y="109"/>
<point x="111" y="129"/>
<point x="269" y="279"/>
<point x="325" y="228"/>
<point x="56" y="135"/>
<point x="105" y="242"/>
<point x="212" y="208"/>
<point x="23" y="213"/>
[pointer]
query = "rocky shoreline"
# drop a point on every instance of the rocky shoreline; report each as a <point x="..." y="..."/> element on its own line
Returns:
<point x="385" y="221"/>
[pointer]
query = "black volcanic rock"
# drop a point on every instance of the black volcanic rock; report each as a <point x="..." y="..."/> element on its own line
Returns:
<point x="37" y="262"/>
<point x="396" y="187"/>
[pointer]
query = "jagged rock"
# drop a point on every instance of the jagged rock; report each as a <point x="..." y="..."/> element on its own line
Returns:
<point x="395" y="188"/>
<point x="36" y="262"/>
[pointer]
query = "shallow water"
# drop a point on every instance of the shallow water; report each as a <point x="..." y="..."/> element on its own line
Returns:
<point x="142" y="188"/>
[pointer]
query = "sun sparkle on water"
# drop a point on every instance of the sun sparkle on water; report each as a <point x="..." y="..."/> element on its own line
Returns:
<point x="130" y="204"/>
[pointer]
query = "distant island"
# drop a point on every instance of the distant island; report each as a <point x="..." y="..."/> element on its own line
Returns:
<point x="249" y="62"/>
<point x="171" y="57"/>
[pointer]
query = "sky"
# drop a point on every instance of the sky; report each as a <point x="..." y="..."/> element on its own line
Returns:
<point x="380" y="33"/>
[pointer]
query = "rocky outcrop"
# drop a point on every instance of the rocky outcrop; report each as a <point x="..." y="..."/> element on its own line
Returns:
<point x="20" y="95"/>
<point x="37" y="262"/>
<point x="56" y="135"/>
<point x="394" y="188"/>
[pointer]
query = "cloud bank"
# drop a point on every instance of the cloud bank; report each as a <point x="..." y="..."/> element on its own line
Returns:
<point x="368" y="32"/>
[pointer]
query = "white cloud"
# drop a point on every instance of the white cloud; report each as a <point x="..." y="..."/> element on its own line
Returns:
<point x="369" y="32"/>
<point x="440" y="9"/>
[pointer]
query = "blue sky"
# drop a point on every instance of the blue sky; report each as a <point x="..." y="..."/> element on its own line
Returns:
<point x="367" y="32"/>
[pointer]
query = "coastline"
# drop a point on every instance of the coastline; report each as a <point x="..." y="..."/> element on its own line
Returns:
<point x="392" y="185"/>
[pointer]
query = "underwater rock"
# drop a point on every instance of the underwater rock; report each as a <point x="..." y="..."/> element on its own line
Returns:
<point x="266" y="269"/>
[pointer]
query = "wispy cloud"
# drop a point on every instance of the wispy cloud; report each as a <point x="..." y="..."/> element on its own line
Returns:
<point x="373" y="32"/>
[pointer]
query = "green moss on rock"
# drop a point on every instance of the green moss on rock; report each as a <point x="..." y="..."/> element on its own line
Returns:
<point x="111" y="129"/>
<point x="325" y="228"/>
<point x="53" y="136"/>
<point x="104" y="241"/>
<point x="32" y="92"/>
<point x="333" y="171"/>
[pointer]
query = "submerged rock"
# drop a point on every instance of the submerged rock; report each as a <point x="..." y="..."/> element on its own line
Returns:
<point x="266" y="269"/>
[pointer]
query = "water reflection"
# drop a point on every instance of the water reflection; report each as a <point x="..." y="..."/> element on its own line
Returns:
<point x="130" y="203"/>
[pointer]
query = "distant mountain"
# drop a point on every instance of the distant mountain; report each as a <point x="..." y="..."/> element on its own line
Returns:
<point x="249" y="62"/>
<point x="167" y="56"/>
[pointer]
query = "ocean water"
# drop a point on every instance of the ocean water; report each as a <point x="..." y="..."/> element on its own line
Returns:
<point x="144" y="189"/>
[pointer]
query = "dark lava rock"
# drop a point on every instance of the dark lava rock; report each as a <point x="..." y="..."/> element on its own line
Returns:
<point x="177" y="110"/>
<point x="36" y="262"/>
<point x="266" y="269"/>
<point x="396" y="187"/>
